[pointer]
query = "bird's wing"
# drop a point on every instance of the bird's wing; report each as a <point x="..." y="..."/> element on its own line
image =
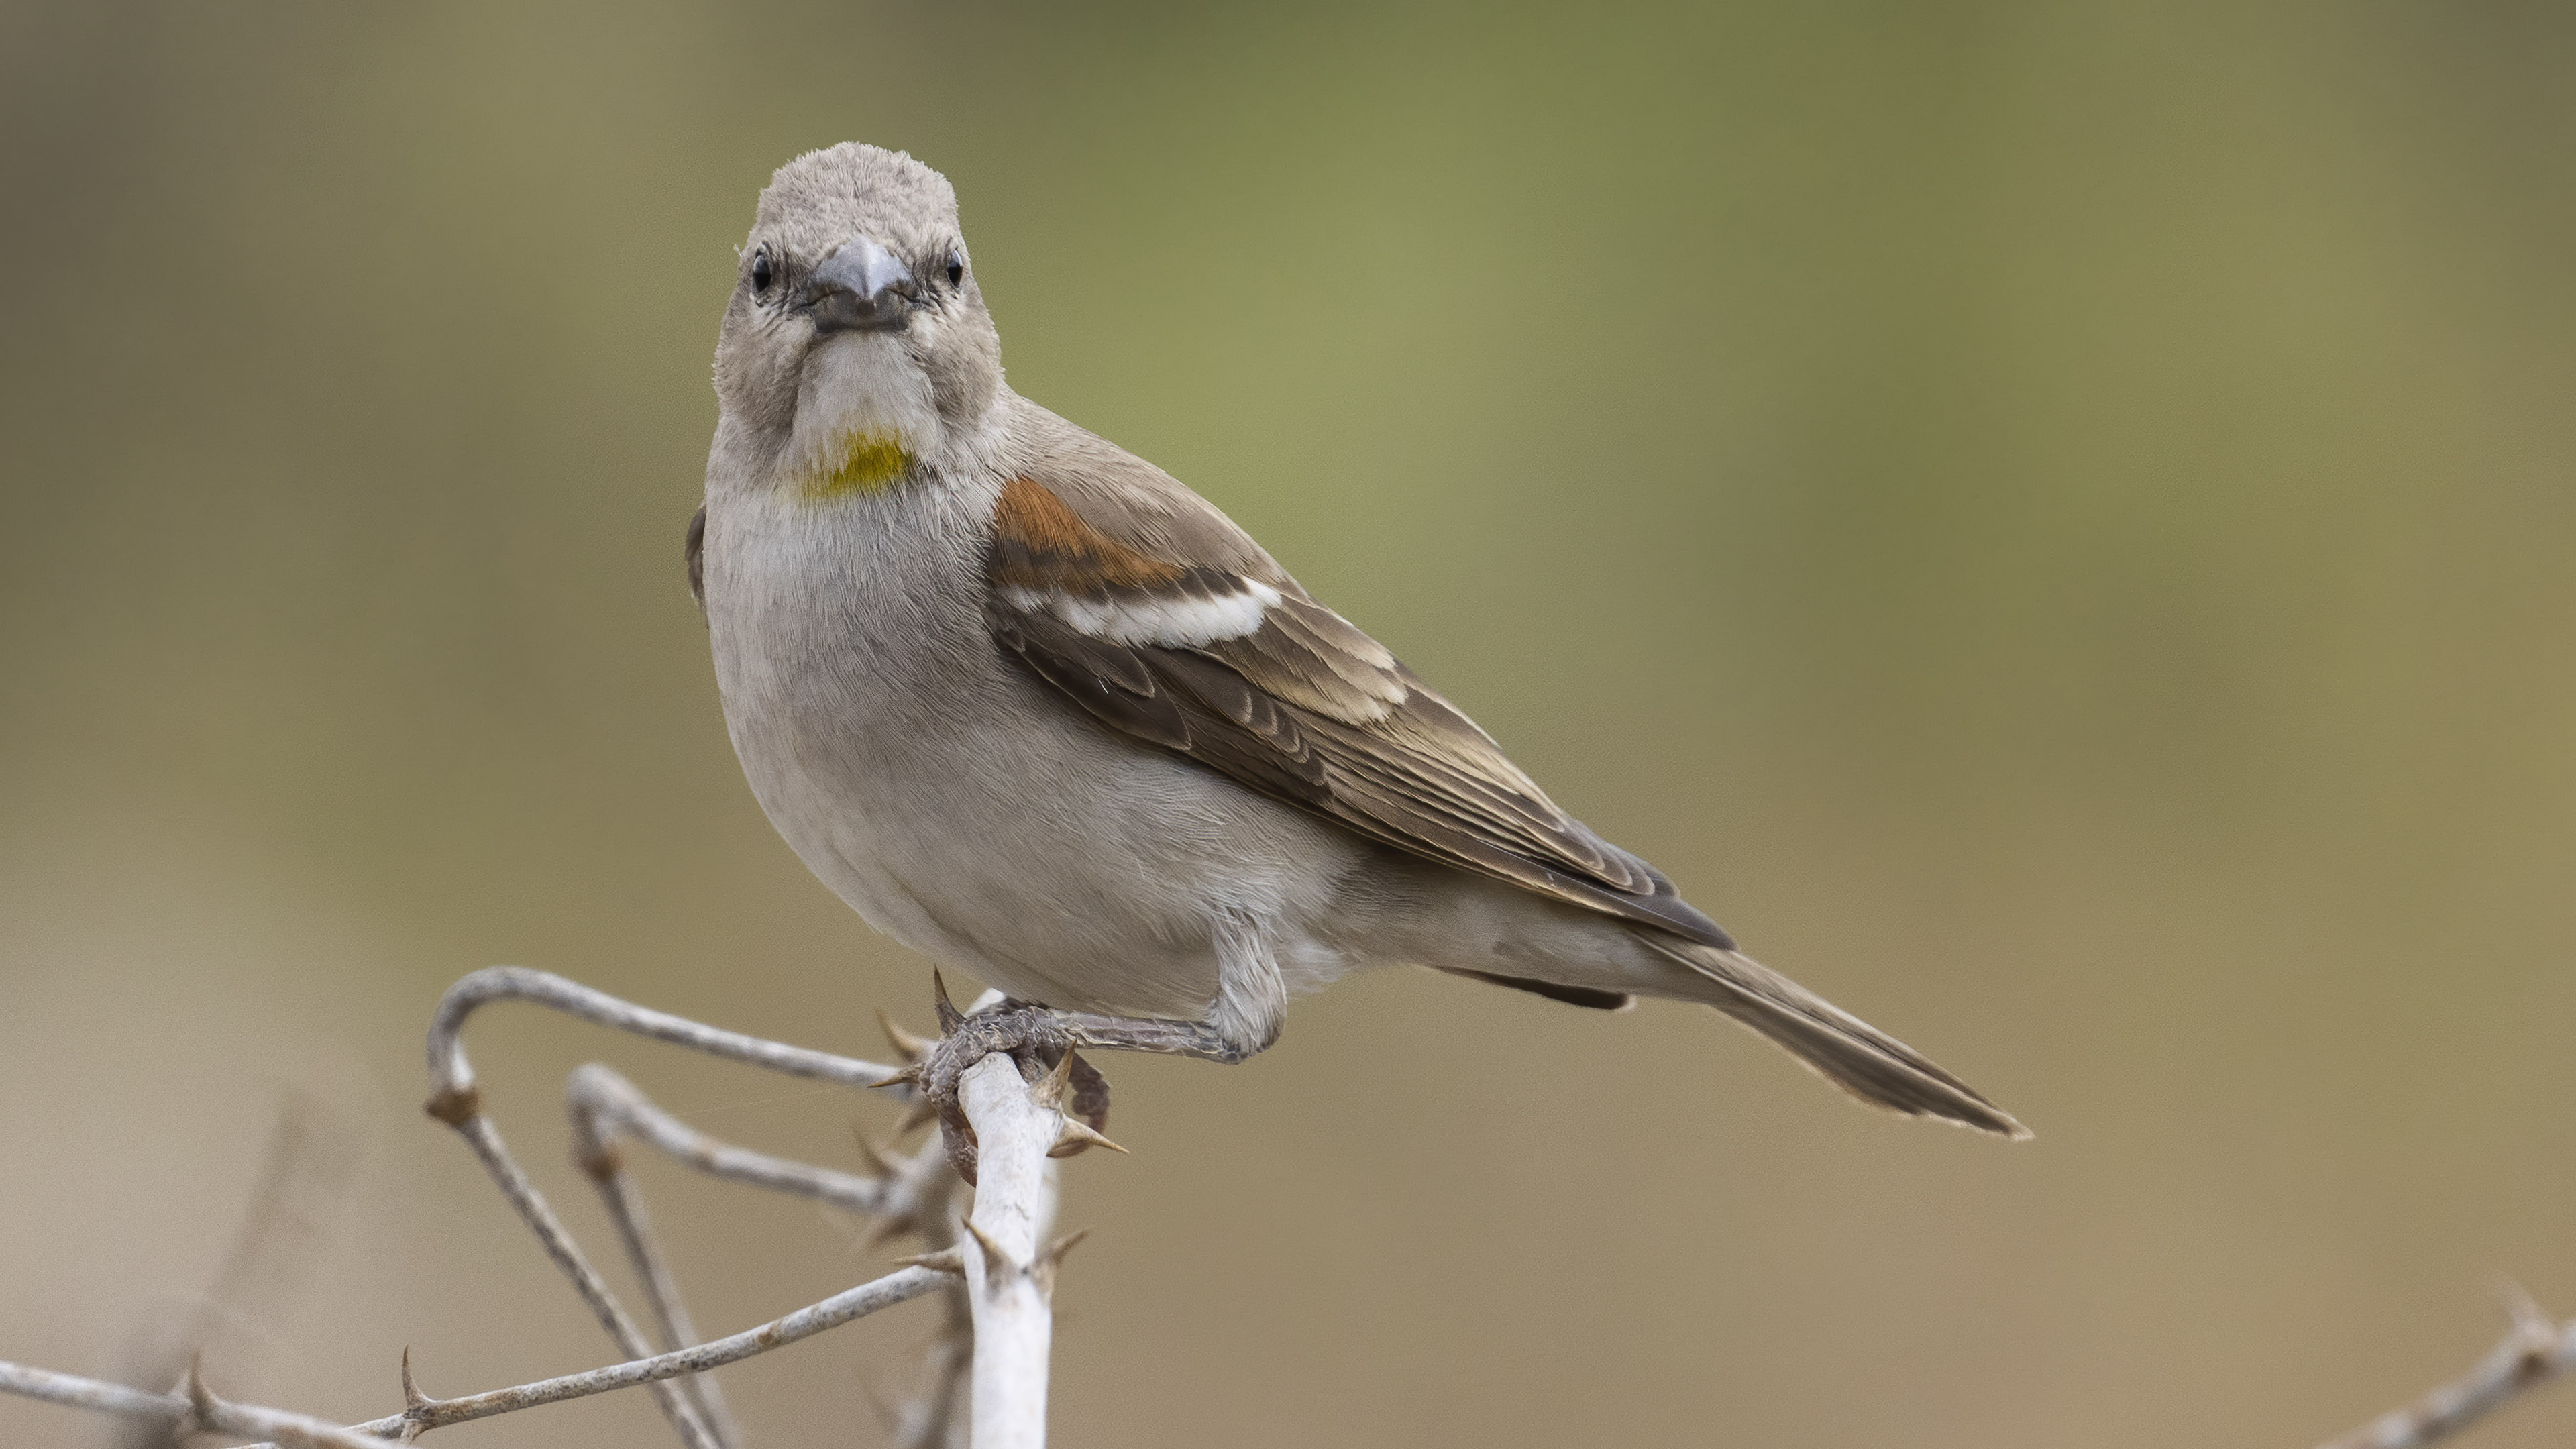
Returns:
<point x="1154" y="613"/>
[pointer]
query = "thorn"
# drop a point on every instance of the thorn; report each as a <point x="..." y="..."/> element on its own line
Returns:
<point x="949" y="1016"/>
<point x="911" y="1074"/>
<point x="413" y="1398"/>
<point x="914" y="1048"/>
<point x="876" y="1156"/>
<point x="201" y="1398"/>
<point x="951" y="1259"/>
<point x="997" y="1264"/>
<point x="1044" y="1269"/>
<point x="2518" y="1303"/>
<point x="2531" y="1323"/>
<point x="1076" y="1135"/>
<point x="1066" y="1244"/>
<point x="1049" y="1091"/>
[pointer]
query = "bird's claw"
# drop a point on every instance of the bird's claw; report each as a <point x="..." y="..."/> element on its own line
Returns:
<point x="1039" y="1042"/>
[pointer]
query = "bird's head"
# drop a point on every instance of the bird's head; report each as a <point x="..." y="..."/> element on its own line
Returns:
<point x="856" y="343"/>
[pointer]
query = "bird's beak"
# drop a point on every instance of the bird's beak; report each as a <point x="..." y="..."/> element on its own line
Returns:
<point x="860" y="287"/>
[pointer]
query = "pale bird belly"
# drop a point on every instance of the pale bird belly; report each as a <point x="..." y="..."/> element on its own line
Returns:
<point x="1089" y="875"/>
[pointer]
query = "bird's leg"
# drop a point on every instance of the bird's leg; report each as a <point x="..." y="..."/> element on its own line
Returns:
<point x="1202" y="1039"/>
<point x="1035" y="1038"/>
<point x="1038" y="1039"/>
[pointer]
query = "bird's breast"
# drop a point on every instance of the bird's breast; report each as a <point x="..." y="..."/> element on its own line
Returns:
<point x="954" y="800"/>
<point x="846" y="625"/>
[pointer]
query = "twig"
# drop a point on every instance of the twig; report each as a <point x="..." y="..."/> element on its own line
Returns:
<point x="2535" y="1350"/>
<point x="485" y="1140"/>
<point x="287" y="1430"/>
<point x="80" y="1393"/>
<point x="606" y="1105"/>
<point x="595" y="1150"/>
<point x="451" y="1075"/>
<point x="902" y="1285"/>
<point x="198" y="1408"/>
<point x="455" y="1100"/>
<point x="1007" y="1276"/>
<point x="908" y="1194"/>
<point x="1021" y="1127"/>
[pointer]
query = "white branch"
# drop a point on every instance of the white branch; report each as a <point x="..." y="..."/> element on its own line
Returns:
<point x="1008" y="1272"/>
<point x="80" y="1393"/>
<point x="606" y="1105"/>
<point x="455" y="1101"/>
<point x="427" y="1413"/>
<point x="1008" y="1276"/>
<point x="999" y="1250"/>
<point x="197" y="1409"/>
<point x="2534" y="1351"/>
<point x="595" y="1150"/>
<point x="451" y="1075"/>
<point x="485" y="1139"/>
<point x="900" y="1286"/>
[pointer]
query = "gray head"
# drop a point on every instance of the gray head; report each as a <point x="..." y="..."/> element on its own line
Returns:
<point x="855" y="318"/>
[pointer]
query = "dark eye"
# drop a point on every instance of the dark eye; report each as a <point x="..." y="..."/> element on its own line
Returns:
<point x="956" y="268"/>
<point x="761" y="272"/>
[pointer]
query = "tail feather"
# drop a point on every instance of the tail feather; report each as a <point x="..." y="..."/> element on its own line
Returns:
<point x="1836" y="1045"/>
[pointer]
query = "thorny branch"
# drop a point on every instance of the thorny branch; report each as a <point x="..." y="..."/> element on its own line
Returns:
<point x="997" y="1280"/>
<point x="451" y="1075"/>
<point x="602" y="1102"/>
<point x="485" y="1141"/>
<point x="907" y="1196"/>
<point x="195" y="1408"/>
<point x="1007" y="1276"/>
<point x="455" y="1100"/>
<point x="291" y="1430"/>
<point x="1024" y="1123"/>
<point x="2535" y="1350"/>
<point x="605" y="1106"/>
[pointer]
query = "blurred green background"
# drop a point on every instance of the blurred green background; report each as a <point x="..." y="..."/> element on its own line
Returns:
<point x="2052" y="521"/>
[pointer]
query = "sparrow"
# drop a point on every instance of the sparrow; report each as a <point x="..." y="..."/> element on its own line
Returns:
<point x="1044" y="715"/>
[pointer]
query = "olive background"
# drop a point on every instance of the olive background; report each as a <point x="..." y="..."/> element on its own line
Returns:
<point x="2053" y="522"/>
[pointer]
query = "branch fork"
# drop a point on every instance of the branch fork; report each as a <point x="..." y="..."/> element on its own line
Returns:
<point x="986" y="1373"/>
<point x="2536" y="1348"/>
<point x="986" y="1370"/>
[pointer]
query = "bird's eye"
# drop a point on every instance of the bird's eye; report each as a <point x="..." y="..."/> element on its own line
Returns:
<point x="956" y="268"/>
<point x="761" y="271"/>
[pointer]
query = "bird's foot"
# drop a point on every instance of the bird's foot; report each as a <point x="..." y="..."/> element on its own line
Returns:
<point x="1037" y="1039"/>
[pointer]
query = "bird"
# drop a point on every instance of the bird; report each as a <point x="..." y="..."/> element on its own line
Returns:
<point x="1039" y="712"/>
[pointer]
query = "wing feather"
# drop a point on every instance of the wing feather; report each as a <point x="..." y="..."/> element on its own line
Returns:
<point x="1107" y="586"/>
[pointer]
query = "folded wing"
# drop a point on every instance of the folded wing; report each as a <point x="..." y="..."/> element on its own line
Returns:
<point x="1149" y="610"/>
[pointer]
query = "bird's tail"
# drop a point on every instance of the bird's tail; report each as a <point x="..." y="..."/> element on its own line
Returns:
<point x="1836" y="1045"/>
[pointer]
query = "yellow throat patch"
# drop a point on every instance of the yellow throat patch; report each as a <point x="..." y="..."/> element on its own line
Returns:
<point x="871" y="464"/>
